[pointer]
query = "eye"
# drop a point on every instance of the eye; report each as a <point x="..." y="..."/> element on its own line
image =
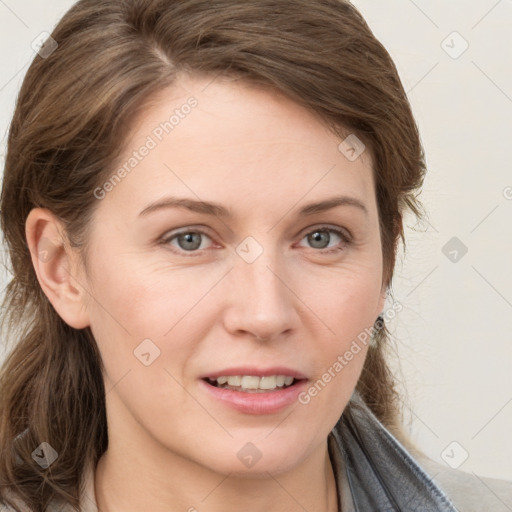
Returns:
<point x="321" y="237"/>
<point x="191" y="241"/>
<point x="188" y="241"/>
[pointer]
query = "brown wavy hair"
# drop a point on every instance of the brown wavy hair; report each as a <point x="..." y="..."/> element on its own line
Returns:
<point x="74" y="112"/>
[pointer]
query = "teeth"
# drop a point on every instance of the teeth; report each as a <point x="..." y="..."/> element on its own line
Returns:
<point x="269" y="382"/>
<point x="234" y="381"/>
<point x="249" y="382"/>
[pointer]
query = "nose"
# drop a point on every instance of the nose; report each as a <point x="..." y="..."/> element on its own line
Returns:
<point x="261" y="302"/>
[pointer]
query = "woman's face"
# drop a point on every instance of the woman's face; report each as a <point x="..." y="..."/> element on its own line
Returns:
<point x="261" y="284"/>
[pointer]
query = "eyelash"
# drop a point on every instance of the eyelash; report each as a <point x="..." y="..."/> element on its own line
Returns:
<point x="346" y="240"/>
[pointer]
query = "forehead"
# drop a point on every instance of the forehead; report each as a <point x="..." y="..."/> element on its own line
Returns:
<point x="228" y="141"/>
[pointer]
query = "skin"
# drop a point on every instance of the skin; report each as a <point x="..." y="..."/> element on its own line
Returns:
<point x="171" y="446"/>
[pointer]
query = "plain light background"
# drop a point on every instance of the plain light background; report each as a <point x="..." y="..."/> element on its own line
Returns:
<point x="455" y="284"/>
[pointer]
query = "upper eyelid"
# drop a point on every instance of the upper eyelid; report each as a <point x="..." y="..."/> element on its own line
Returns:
<point x="204" y="230"/>
<point x="326" y="227"/>
<point x="180" y="231"/>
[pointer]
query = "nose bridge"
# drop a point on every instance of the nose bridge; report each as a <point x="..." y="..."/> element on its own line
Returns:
<point x="261" y="303"/>
<point x="261" y="277"/>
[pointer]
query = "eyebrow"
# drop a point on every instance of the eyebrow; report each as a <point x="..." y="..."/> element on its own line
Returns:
<point x="211" y="208"/>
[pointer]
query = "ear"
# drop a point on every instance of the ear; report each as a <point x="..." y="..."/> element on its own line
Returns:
<point x="56" y="265"/>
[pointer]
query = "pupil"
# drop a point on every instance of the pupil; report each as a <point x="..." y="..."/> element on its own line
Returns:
<point x="316" y="239"/>
<point x="187" y="241"/>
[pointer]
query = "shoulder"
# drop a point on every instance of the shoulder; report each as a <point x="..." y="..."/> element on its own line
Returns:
<point x="469" y="492"/>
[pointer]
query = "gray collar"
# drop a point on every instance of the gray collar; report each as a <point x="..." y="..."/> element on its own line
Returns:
<point x="379" y="472"/>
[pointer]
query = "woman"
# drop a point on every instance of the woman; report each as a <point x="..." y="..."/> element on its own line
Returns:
<point x="202" y="203"/>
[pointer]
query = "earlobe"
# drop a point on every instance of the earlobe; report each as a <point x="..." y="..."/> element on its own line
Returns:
<point x="55" y="265"/>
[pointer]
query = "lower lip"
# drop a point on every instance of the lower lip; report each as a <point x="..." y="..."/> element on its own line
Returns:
<point x="257" y="403"/>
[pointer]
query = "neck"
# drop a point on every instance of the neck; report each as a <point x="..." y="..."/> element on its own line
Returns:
<point x="129" y="479"/>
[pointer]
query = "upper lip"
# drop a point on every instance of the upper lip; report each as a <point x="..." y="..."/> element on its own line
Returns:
<point x="255" y="372"/>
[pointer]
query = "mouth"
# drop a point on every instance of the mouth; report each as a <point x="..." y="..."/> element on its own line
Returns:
<point x="253" y="390"/>
<point x="253" y="383"/>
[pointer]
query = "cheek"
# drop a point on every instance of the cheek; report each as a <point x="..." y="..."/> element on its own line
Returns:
<point x="346" y="299"/>
<point x="138" y="310"/>
<point x="145" y="332"/>
<point x="134" y="297"/>
<point x="348" y="305"/>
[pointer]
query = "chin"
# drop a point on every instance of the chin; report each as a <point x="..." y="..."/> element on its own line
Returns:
<point x="253" y="460"/>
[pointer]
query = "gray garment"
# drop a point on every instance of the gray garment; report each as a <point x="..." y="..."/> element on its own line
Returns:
<point x="374" y="472"/>
<point x="381" y="474"/>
